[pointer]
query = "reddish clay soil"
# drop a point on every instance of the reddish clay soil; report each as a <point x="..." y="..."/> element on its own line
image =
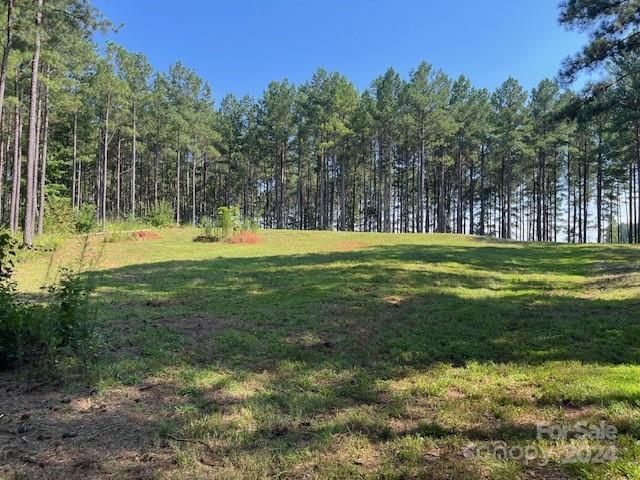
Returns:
<point x="146" y="235"/>
<point x="246" y="237"/>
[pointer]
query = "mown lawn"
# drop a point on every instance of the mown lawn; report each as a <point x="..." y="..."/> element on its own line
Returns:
<point x="338" y="355"/>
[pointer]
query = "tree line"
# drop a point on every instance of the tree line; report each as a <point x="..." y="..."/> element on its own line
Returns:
<point x="421" y="153"/>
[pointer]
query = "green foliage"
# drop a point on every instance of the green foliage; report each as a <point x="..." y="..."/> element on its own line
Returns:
<point x="33" y="333"/>
<point x="86" y="220"/>
<point x="229" y="221"/>
<point x="526" y="335"/>
<point x="207" y="224"/>
<point x="612" y="27"/>
<point x="59" y="217"/>
<point x="226" y="224"/>
<point x="161" y="214"/>
<point x="10" y="318"/>
<point x="74" y="325"/>
<point x="7" y="256"/>
<point x="115" y="237"/>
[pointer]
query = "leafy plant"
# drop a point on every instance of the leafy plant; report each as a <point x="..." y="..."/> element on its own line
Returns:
<point x="161" y="214"/>
<point x="74" y="323"/>
<point x="228" y="226"/>
<point x="59" y="217"/>
<point x="64" y="328"/>
<point x="11" y="328"/>
<point x="229" y="220"/>
<point x="86" y="219"/>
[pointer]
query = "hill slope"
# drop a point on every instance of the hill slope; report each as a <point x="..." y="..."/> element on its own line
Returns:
<point x="323" y="354"/>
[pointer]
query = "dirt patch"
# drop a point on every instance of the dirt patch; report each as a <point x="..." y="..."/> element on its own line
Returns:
<point x="455" y="394"/>
<point x="577" y="412"/>
<point x="245" y="237"/>
<point x="47" y="434"/>
<point x="146" y="235"/>
<point x="394" y="300"/>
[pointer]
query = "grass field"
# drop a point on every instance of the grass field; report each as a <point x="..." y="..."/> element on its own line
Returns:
<point x="337" y="355"/>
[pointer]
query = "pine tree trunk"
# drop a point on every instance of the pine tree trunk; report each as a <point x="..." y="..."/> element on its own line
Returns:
<point x="118" y="176"/>
<point x="193" y="192"/>
<point x="387" y="189"/>
<point x="343" y="195"/>
<point x="178" y="184"/>
<point x="482" y="192"/>
<point x="133" y="162"/>
<point x="569" y="197"/>
<point x="585" y="176"/>
<point x="17" y="168"/>
<point x="320" y="192"/>
<point x="638" y="178"/>
<point x="105" y="164"/>
<point x="32" y="154"/>
<point x="421" y="167"/>
<point x="38" y="161"/>
<point x="599" y="176"/>
<point x="472" y="194"/>
<point x="3" y="160"/>
<point x="43" y="162"/>
<point x="74" y="181"/>
<point x="156" y="166"/>
<point x="5" y="53"/>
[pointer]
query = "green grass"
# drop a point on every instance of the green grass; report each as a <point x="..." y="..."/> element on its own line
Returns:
<point x="346" y="355"/>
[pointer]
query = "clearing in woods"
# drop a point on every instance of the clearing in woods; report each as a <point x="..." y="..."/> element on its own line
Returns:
<point x="336" y="355"/>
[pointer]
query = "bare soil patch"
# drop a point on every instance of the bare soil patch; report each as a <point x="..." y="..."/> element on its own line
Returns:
<point x="146" y="235"/>
<point x="245" y="237"/>
<point x="47" y="434"/>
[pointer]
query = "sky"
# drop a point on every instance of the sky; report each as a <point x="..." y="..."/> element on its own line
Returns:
<point x="239" y="46"/>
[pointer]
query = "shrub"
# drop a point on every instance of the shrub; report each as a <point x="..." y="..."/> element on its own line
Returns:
<point x="228" y="226"/>
<point x="73" y="322"/>
<point x="161" y="214"/>
<point x="229" y="221"/>
<point x="86" y="219"/>
<point x="59" y="217"/>
<point x="11" y="331"/>
<point x="30" y="333"/>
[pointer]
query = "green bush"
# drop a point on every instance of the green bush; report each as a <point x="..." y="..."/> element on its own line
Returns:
<point x="73" y="322"/>
<point x="59" y="217"/>
<point x="11" y="328"/>
<point x="225" y="226"/>
<point x="86" y="219"/>
<point x="64" y="328"/>
<point x="161" y="214"/>
<point x="229" y="220"/>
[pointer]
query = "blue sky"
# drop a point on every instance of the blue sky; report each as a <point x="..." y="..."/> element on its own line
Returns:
<point x="241" y="45"/>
